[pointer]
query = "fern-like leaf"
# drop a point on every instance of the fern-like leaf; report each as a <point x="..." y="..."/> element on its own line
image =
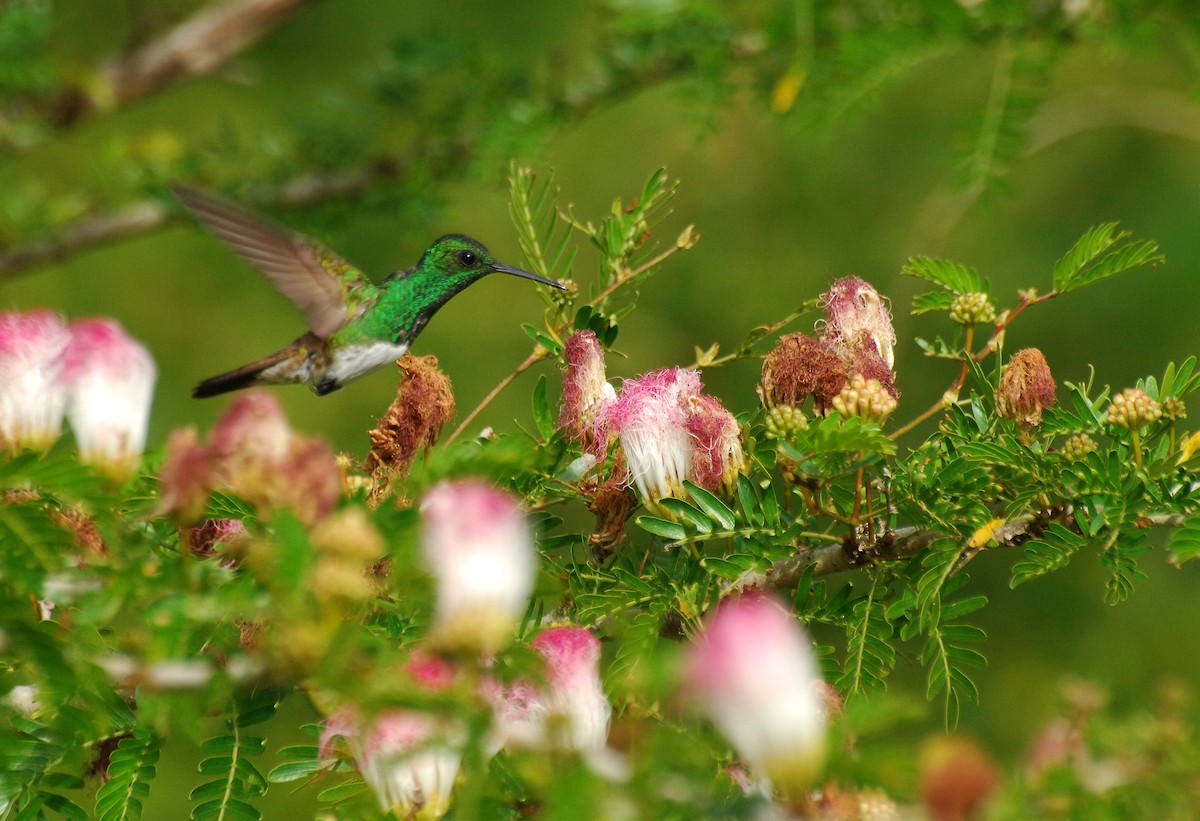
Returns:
<point x="237" y="781"/>
<point x="1047" y="554"/>
<point x="131" y="768"/>
<point x="870" y="656"/>
<point x="1185" y="542"/>
<point x="954" y="277"/>
<point x="1100" y="253"/>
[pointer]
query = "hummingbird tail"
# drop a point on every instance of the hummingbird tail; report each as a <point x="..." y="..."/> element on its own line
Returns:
<point x="244" y="377"/>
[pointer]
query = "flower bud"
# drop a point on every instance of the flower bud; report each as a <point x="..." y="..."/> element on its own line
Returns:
<point x="866" y="398"/>
<point x="585" y="389"/>
<point x="32" y="396"/>
<point x="973" y="308"/>
<point x="568" y="712"/>
<point x="1026" y="388"/>
<point x="785" y="420"/>
<point x="203" y="540"/>
<point x="1132" y="408"/>
<point x="855" y="314"/>
<point x="956" y="778"/>
<point x="1077" y="447"/>
<point x="754" y="669"/>
<point x="479" y="547"/>
<point x="1173" y="408"/>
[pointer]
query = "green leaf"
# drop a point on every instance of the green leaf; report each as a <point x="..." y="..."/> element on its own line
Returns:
<point x="692" y="515"/>
<point x="294" y="771"/>
<point x="1185" y="541"/>
<point x="542" y="415"/>
<point x="542" y="338"/>
<point x="131" y="768"/>
<point x="1100" y="253"/>
<point x="672" y="531"/>
<point x="1047" y="554"/>
<point x="717" y="510"/>
<point x="870" y="655"/>
<point x="932" y="301"/>
<point x="952" y="276"/>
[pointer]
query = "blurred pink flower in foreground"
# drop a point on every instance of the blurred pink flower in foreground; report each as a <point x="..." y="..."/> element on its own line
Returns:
<point x="409" y="758"/>
<point x="32" y="397"/>
<point x="753" y="668"/>
<point x="253" y="452"/>
<point x="480" y="549"/>
<point x="109" y="378"/>
<point x="569" y="711"/>
<point x="671" y="432"/>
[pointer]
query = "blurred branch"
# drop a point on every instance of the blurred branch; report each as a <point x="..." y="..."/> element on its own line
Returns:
<point x="859" y="551"/>
<point x="198" y="45"/>
<point x="149" y="214"/>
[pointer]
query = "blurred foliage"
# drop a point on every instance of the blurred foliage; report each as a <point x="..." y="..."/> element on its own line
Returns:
<point x="815" y="139"/>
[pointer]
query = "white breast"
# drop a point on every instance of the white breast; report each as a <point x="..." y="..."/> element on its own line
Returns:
<point x="348" y="364"/>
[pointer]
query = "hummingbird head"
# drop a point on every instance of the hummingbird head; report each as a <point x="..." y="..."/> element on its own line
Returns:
<point x="462" y="260"/>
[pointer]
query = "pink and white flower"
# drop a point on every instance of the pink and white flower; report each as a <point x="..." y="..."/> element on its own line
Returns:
<point x="568" y="712"/>
<point x="753" y="668"/>
<point x="110" y="387"/>
<point x="480" y="549"/>
<point x="670" y="432"/>
<point x="856" y="315"/>
<point x="33" y="398"/>
<point x="586" y="389"/>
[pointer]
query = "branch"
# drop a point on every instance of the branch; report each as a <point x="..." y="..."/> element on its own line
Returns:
<point x="203" y="42"/>
<point x="147" y="215"/>
<point x="854" y="552"/>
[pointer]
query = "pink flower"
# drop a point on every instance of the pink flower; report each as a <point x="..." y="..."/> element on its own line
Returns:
<point x="32" y="397"/>
<point x="409" y="759"/>
<point x="585" y="389"/>
<point x="753" y="668"/>
<point x="855" y="314"/>
<point x="110" y="383"/>
<point x="671" y="432"/>
<point x="479" y="547"/>
<point x="570" y="711"/>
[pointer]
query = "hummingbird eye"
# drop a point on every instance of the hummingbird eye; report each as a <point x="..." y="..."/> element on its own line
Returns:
<point x="467" y="258"/>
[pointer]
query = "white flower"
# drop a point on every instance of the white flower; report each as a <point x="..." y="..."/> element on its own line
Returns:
<point x="110" y="385"/>
<point x="480" y="549"/>
<point x="754" y="670"/>
<point x="32" y="397"/>
<point x="570" y="711"/>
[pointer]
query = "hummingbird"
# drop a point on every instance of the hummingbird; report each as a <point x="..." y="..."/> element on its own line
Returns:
<point x="355" y="326"/>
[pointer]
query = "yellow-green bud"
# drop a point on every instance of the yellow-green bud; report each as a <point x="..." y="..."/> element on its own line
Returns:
<point x="1174" y="408"/>
<point x="1076" y="448"/>
<point x="866" y="398"/>
<point x="972" y="309"/>
<point x="785" y="420"/>
<point x="1132" y="408"/>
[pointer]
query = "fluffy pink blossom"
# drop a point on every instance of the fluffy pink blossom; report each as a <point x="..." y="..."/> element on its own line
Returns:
<point x="480" y="549"/>
<point x="855" y="314"/>
<point x="585" y="389"/>
<point x="32" y="396"/>
<point x="110" y="387"/>
<point x="754" y="670"/>
<point x="670" y="431"/>
<point x="409" y="758"/>
<point x="570" y="711"/>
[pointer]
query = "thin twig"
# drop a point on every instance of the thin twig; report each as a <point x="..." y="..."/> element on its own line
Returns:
<point x="529" y="362"/>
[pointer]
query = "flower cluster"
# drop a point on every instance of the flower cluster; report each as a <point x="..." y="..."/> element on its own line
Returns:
<point x="253" y="453"/>
<point x="91" y="372"/>
<point x="856" y="339"/>
<point x="1133" y="408"/>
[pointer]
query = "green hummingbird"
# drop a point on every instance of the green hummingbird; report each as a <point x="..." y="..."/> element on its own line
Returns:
<point x="355" y="325"/>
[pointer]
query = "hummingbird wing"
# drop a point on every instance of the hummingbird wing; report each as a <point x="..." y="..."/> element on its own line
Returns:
<point x="326" y="288"/>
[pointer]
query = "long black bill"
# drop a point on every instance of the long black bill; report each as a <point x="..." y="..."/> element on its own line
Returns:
<point x="501" y="268"/>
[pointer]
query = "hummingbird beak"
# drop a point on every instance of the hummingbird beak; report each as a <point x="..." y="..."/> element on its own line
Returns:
<point x="501" y="268"/>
